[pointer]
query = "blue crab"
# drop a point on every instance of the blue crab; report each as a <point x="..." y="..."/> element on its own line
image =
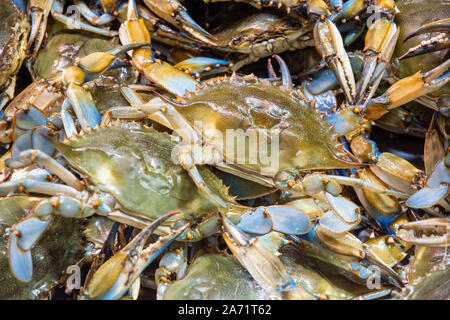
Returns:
<point x="146" y="152"/>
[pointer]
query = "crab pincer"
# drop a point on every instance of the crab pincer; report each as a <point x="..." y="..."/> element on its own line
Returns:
<point x="115" y="277"/>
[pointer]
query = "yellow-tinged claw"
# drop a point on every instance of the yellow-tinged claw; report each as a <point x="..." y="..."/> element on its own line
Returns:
<point x="266" y="268"/>
<point x="379" y="37"/>
<point x="73" y="74"/>
<point x="381" y="203"/>
<point x="96" y="62"/>
<point x="318" y="8"/>
<point x="137" y="31"/>
<point x="405" y="90"/>
<point x="379" y="46"/>
<point x="387" y="6"/>
<point x="330" y="46"/>
<point x="362" y="148"/>
<point x="399" y="168"/>
<point x="386" y="249"/>
<point x="408" y="89"/>
<point x="173" y="12"/>
<point x="109" y="6"/>
<point x="114" y="278"/>
<point x="341" y="243"/>
<point x="394" y="226"/>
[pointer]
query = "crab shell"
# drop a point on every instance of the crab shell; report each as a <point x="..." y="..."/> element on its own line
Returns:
<point x="306" y="141"/>
<point x="134" y="164"/>
<point x="274" y="32"/>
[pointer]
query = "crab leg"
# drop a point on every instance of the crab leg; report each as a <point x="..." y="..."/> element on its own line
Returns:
<point x="67" y="119"/>
<point x="26" y="233"/>
<point x="346" y="245"/>
<point x="88" y="68"/>
<point x="436" y="189"/>
<point x="285" y="73"/>
<point x="266" y="268"/>
<point x="28" y="157"/>
<point x="35" y="186"/>
<point x="202" y="66"/>
<point x="380" y="44"/>
<point x="173" y="12"/>
<point x="284" y="219"/>
<point x="40" y="10"/>
<point x="315" y="183"/>
<point x="434" y="226"/>
<point x="408" y="89"/>
<point x="329" y="44"/>
<point x="71" y="23"/>
<point x="439" y="42"/>
<point x="90" y="16"/>
<point x="163" y="74"/>
<point x="135" y="100"/>
<point x="113" y="279"/>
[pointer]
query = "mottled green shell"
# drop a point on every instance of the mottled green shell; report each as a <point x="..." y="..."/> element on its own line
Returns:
<point x="258" y="27"/>
<point x="60" y="247"/>
<point x="306" y="140"/>
<point x="134" y="164"/>
<point x="424" y="12"/>
<point x="13" y="40"/>
<point x="215" y="276"/>
<point x="428" y="274"/>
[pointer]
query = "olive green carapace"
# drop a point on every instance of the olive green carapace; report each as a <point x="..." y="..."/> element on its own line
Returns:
<point x="60" y="247"/>
<point x="135" y="164"/>
<point x="306" y="140"/>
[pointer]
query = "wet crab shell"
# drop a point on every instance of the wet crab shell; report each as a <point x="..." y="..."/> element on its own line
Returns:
<point x="423" y="12"/>
<point x="61" y="247"/>
<point x="135" y="165"/>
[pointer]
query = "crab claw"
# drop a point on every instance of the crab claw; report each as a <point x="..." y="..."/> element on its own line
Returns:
<point x="114" y="278"/>
<point x="439" y="228"/>
<point x="39" y="11"/>
<point x="439" y="42"/>
<point x="408" y="89"/>
<point x="379" y="45"/>
<point x="329" y="44"/>
<point x="173" y="12"/>
<point x="87" y="69"/>
<point x="266" y="268"/>
<point x="22" y="239"/>
<point x="436" y="189"/>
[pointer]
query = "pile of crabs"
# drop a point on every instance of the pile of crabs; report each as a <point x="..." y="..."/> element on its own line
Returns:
<point x="118" y="179"/>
